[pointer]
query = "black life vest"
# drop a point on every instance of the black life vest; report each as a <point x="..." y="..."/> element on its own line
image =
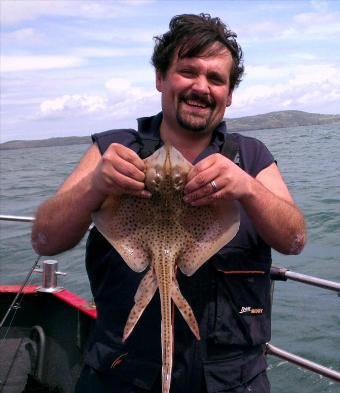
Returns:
<point x="229" y="295"/>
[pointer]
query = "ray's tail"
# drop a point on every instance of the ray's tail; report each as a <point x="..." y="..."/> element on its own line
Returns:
<point x="167" y="352"/>
<point x="169" y="290"/>
<point x="164" y="276"/>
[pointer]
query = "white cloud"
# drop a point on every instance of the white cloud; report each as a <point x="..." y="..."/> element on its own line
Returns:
<point x="123" y="36"/>
<point x="315" y="74"/>
<point x="313" y="26"/>
<point x="134" y="3"/>
<point x="26" y="35"/>
<point x="36" y="63"/>
<point x="118" y="85"/>
<point x="259" y="72"/>
<point x="122" y="91"/>
<point x="308" y="87"/>
<point x="16" y="11"/>
<point x="72" y="105"/>
<point x="304" y="87"/>
<point x="122" y="100"/>
<point x="102" y="52"/>
<point x="313" y="18"/>
<point x="320" y="5"/>
<point x="303" y="56"/>
<point x="317" y="24"/>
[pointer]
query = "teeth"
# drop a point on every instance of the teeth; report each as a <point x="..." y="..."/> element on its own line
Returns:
<point x="195" y="103"/>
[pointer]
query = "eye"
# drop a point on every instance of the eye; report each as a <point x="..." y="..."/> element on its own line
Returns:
<point x="217" y="79"/>
<point x="187" y="72"/>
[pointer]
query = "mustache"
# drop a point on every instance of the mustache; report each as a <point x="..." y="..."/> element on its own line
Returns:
<point x="203" y="99"/>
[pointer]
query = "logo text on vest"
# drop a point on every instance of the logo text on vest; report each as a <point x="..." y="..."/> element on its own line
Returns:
<point x="250" y="310"/>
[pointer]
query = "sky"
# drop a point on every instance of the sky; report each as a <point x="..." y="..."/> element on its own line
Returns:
<point x="80" y="66"/>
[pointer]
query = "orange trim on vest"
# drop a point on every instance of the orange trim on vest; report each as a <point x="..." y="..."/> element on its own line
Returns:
<point x="118" y="360"/>
<point x="241" y="271"/>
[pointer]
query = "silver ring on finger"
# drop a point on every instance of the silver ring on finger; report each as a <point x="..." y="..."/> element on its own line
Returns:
<point x="213" y="186"/>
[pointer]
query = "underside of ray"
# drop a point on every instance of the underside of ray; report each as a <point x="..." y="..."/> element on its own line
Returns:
<point x="184" y="308"/>
<point x="130" y="223"/>
<point x="144" y="294"/>
<point x="215" y="226"/>
<point x="162" y="232"/>
<point x="124" y="222"/>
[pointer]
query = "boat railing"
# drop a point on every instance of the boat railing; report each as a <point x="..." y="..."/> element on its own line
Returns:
<point x="284" y="274"/>
<point x="277" y="274"/>
<point x="4" y="217"/>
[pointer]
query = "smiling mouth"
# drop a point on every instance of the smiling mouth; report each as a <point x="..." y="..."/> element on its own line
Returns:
<point x="196" y="104"/>
<point x="196" y="101"/>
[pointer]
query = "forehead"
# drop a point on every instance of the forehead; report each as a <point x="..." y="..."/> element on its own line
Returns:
<point x="217" y="55"/>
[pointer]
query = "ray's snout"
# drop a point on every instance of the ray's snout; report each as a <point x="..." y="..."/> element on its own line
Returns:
<point x="154" y="178"/>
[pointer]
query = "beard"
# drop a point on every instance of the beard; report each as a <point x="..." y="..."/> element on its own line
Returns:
<point x="192" y="121"/>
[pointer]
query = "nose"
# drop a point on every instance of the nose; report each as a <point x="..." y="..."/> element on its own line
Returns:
<point x="201" y="85"/>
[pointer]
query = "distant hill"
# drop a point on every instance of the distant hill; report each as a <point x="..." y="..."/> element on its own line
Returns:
<point x="61" y="141"/>
<point x="281" y="119"/>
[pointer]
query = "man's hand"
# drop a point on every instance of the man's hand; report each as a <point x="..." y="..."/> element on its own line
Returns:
<point x="120" y="171"/>
<point x="63" y="219"/>
<point x="215" y="177"/>
<point x="266" y="199"/>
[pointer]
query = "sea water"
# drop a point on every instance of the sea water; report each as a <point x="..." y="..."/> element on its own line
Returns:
<point x="306" y="320"/>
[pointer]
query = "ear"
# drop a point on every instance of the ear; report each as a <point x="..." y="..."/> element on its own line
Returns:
<point x="159" y="81"/>
<point x="229" y="99"/>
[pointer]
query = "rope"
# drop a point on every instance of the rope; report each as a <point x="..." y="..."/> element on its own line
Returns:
<point x="15" y="305"/>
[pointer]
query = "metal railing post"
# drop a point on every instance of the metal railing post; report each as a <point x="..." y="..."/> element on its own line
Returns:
<point x="283" y="274"/>
<point x="302" y="362"/>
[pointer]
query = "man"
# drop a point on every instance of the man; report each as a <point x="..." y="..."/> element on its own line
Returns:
<point x="198" y="65"/>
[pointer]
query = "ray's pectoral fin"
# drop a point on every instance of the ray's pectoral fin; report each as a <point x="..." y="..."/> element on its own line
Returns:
<point x="184" y="308"/>
<point x="124" y="221"/>
<point x="209" y="230"/>
<point x="143" y="296"/>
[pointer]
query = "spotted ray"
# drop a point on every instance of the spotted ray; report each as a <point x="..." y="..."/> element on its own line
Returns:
<point x="161" y="233"/>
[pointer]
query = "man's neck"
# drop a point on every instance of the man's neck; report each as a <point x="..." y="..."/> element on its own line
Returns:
<point x="189" y="143"/>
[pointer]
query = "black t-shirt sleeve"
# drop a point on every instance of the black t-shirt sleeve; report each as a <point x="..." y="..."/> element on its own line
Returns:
<point x="126" y="137"/>
<point x="254" y="155"/>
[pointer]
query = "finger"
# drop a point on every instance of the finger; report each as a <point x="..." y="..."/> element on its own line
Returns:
<point x="124" y="161"/>
<point x="200" y="167"/>
<point x="200" y="193"/>
<point x="128" y="169"/>
<point x="126" y="184"/>
<point x="208" y="199"/>
<point x="129" y="155"/>
<point x="201" y="179"/>
<point x="145" y="194"/>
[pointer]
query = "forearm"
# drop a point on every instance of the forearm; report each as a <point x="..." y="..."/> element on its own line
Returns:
<point x="278" y="221"/>
<point x="62" y="220"/>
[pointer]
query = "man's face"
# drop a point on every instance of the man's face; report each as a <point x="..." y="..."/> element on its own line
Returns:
<point x="195" y="91"/>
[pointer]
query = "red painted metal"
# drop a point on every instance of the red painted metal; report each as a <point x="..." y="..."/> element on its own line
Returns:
<point x="16" y="288"/>
<point x="65" y="296"/>
<point x="77" y="302"/>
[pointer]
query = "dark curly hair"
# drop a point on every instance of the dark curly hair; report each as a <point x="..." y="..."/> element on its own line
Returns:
<point x="192" y="35"/>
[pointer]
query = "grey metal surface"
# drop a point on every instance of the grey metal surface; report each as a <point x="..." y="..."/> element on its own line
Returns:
<point x="283" y="274"/>
<point x="302" y="362"/>
<point x="315" y="281"/>
<point x="4" y="217"/>
<point x="50" y="275"/>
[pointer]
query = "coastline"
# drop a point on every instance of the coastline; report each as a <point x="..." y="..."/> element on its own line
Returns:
<point x="271" y="120"/>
